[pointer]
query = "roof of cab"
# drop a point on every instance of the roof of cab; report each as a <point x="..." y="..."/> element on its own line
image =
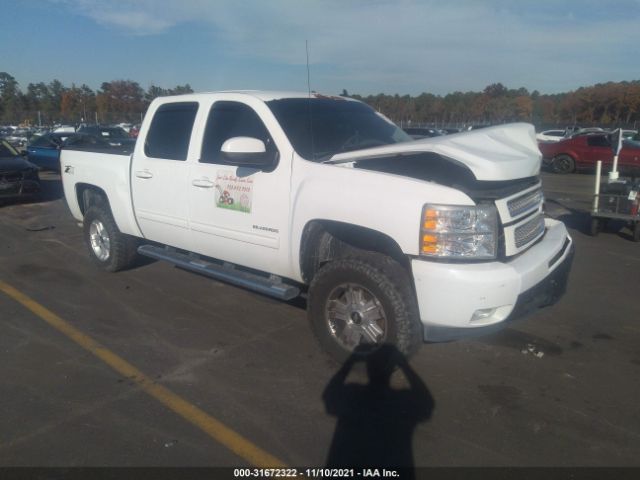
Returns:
<point x="264" y="95"/>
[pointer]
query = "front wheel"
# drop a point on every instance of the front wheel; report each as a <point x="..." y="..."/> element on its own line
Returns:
<point x="595" y="227"/>
<point x="109" y="248"/>
<point x="363" y="303"/>
<point x="563" y="164"/>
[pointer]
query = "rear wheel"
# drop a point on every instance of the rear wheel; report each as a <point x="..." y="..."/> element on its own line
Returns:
<point x="563" y="164"/>
<point x="359" y="304"/>
<point x="109" y="248"/>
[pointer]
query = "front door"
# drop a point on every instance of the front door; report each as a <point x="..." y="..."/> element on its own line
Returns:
<point x="238" y="214"/>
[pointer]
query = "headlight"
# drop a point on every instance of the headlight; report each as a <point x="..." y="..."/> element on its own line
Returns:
<point x="459" y="232"/>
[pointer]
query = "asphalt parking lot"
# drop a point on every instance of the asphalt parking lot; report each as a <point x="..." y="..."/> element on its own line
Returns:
<point x="156" y="366"/>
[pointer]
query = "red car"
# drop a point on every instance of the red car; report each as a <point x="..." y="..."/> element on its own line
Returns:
<point x="583" y="151"/>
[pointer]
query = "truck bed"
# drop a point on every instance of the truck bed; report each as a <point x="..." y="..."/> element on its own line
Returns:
<point x="106" y="169"/>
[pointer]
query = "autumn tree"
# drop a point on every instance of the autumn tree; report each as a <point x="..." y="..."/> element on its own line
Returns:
<point x="77" y="103"/>
<point x="181" y="89"/>
<point x="605" y="104"/>
<point x="120" y="99"/>
<point x="154" y="92"/>
<point x="10" y="99"/>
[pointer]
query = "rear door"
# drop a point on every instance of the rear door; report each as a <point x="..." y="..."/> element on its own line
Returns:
<point x="160" y="174"/>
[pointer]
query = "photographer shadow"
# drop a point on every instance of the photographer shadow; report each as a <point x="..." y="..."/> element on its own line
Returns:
<point x="375" y="422"/>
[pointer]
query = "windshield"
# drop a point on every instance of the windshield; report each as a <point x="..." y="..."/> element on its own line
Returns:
<point x="338" y="125"/>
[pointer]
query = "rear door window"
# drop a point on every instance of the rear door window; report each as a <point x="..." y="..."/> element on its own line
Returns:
<point x="170" y="131"/>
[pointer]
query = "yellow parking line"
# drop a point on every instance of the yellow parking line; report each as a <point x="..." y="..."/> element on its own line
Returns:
<point x="205" y="422"/>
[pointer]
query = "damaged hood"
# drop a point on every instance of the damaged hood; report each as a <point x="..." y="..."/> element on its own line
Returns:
<point x="503" y="152"/>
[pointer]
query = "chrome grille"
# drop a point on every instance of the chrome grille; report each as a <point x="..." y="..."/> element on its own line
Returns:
<point x="529" y="231"/>
<point x="524" y="202"/>
<point x="522" y="219"/>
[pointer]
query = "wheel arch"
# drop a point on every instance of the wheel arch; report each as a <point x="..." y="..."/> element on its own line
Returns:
<point x="326" y="240"/>
<point x="120" y="207"/>
<point x="571" y="154"/>
<point x="89" y="195"/>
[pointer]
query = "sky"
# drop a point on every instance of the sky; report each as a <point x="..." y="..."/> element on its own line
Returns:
<point x="365" y="47"/>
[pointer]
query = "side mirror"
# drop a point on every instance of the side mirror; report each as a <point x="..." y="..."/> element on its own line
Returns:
<point x="245" y="152"/>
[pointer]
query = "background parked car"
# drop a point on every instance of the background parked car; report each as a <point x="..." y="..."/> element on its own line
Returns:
<point x="19" y="137"/>
<point x="125" y="126"/>
<point x="583" y="151"/>
<point x="64" y="129"/>
<point x="82" y="140"/>
<point x="44" y="151"/>
<point x="418" y="132"/>
<point x="18" y="177"/>
<point x="115" y="136"/>
<point x="551" y="135"/>
<point x="587" y="131"/>
<point x="134" y="131"/>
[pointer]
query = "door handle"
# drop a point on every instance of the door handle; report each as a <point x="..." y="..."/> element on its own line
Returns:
<point x="202" y="183"/>
<point x="144" y="174"/>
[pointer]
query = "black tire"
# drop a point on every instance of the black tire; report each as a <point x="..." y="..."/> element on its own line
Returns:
<point x="596" y="226"/>
<point x="121" y="251"/>
<point x="384" y="280"/>
<point x="636" y="231"/>
<point x="563" y="164"/>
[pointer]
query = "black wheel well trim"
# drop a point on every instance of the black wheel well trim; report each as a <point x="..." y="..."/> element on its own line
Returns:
<point x="89" y="195"/>
<point x="324" y="240"/>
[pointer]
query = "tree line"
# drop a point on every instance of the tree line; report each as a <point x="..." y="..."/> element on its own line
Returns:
<point x="603" y="104"/>
<point x="52" y="103"/>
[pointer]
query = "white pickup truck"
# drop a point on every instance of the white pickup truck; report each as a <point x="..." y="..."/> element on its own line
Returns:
<point x="392" y="240"/>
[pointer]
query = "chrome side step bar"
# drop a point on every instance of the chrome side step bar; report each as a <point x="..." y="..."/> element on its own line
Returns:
<point x="271" y="286"/>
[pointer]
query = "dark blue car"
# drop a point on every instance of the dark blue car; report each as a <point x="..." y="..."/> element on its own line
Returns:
<point x="18" y="177"/>
<point x="44" y="151"/>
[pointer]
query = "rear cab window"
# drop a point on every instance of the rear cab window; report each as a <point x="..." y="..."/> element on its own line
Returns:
<point x="170" y="131"/>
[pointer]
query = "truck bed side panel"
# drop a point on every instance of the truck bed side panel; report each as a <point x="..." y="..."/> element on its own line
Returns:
<point x="110" y="173"/>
